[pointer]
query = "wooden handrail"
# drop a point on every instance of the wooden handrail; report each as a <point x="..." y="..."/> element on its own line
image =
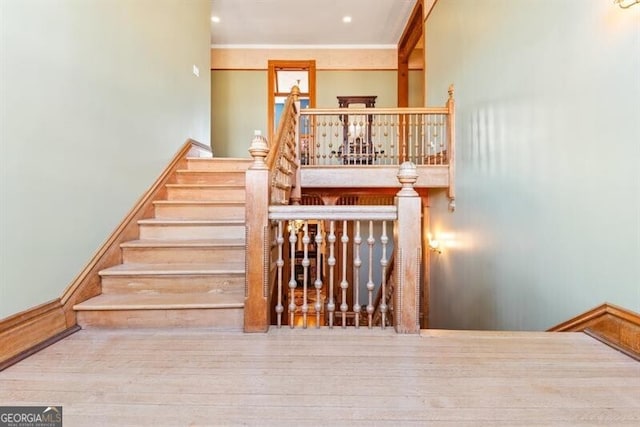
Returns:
<point x="339" y="213"/>
<point x="282" y="159"/>
<point x="285" y="121"/>
<point x="374" y="111"/>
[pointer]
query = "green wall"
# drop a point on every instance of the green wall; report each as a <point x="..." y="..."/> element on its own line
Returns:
<point x="330" y="84"/>
<point x="96" y="97"/>
<point x="547" y="224"/>
<point x="416" y="88"/>
<point x="238" y="107"/>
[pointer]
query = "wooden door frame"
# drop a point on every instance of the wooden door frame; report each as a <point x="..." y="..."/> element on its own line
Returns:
<point x="273" y="65"/>
<point x="408" y="41"/>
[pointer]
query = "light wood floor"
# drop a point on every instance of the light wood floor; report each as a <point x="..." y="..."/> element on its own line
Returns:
<point x="312" y="378"/>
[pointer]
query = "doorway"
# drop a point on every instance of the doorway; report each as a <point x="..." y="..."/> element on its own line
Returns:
<point x="282" y="76"/>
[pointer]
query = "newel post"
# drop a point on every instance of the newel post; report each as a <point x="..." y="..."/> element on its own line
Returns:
<point x="408" y="248"/>
<point x="256" y="302"/>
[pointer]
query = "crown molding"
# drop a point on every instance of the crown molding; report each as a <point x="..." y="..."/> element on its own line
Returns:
<point x="304" y="46"/>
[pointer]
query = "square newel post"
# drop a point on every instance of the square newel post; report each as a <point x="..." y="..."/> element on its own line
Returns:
<point x="256" y="302"/>
<point x="408" y="248"/>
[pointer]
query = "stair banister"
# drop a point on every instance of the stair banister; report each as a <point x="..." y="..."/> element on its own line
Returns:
<point x="270" y="180"/>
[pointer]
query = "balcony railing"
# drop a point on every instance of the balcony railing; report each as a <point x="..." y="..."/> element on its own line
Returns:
<point x="338" y="260"/>
<point x="374" y="136"/>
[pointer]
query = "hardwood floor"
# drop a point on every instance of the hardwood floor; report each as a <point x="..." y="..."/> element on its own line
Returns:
<point x="185" y="377"/>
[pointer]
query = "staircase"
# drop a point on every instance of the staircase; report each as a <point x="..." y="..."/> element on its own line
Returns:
<point x="187" y="267"/>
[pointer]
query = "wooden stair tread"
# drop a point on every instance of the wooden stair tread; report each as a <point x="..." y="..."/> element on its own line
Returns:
<point x="211" y="172"/>
<point x="192" y="243"/>
<point x="188" y="221"/>
<point x="163" y="302"/>
<point x="206" y="186"/>
<point x="200" y="202"/>
<point x="130" y="269"/>
<point x="247" y="160"/>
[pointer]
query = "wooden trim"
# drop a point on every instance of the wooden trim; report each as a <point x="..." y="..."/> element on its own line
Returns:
<point x="29" y="328"/>
<point x="87" y="284"/>
<point x="451" y="132"/>
<point x="429" y="9"/>
<point x="581" y="321"/>
<point x="318" y="69"/>
<point x="408" y="41"/>
<point x="377" y="111"/>
<point x="326" y="59"/>
<point x="603" y="339"/>
<point x="620" y="327"/>
<point x="197" y="146"/>
<point x="4" y="364"/>
<point x="308" y="65"/>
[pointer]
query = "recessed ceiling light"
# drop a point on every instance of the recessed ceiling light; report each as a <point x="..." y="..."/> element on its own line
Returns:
<point x="346" y="19"/>
<point x="215" y="19"/>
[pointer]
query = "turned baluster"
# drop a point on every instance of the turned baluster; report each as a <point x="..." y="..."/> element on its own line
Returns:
<point x="331" y="262"/>
<point x="370" y="285"/>
<point x="383" y="262"/>
<point x="357" y="262"/>
<point x="293" y="239"/>
<point x="305" y="269"/>
<point x="344" y="284"/>
<point x="318" y="282"/>
<point x="280" y="265"/>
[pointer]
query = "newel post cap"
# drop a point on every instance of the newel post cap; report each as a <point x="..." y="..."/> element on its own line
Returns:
<point x="259" y="150"/>
<point x="295" y="91"/>
<point x="407" y="175"/>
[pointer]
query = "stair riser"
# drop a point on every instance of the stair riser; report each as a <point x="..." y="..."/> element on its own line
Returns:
<point x="227" y="318"/>
<point x="192" y="231"/>
<point x="218" y="165"/>
<point x="234" y="194"/>
<point x="229" y="258"/>
<point x="212" y="212"/>
<point x="186" y="284"/>
<point x="195" y="177"/>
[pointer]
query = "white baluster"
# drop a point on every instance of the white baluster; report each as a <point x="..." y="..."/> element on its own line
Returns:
<point x="331" y="261"/>
<point x="423" y="147"/>
<point x="370" y="285"/>
<point x="383" y="262"/>
<point x="443" y="159"/>
<point x="318" y="282"/>
<point x="305" y="268"/>
<point x="293" y="238"/>
<point x="357" y="262"/>
<point x="344" y="284"/>
<point x="280" y="264"/>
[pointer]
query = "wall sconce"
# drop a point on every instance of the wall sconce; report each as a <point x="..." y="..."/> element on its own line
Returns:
<point x="626" y="4"/>
<point x="434" y="244"/>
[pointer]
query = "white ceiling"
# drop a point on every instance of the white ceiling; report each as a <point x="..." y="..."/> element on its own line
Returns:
<point x="309" y="22"/>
